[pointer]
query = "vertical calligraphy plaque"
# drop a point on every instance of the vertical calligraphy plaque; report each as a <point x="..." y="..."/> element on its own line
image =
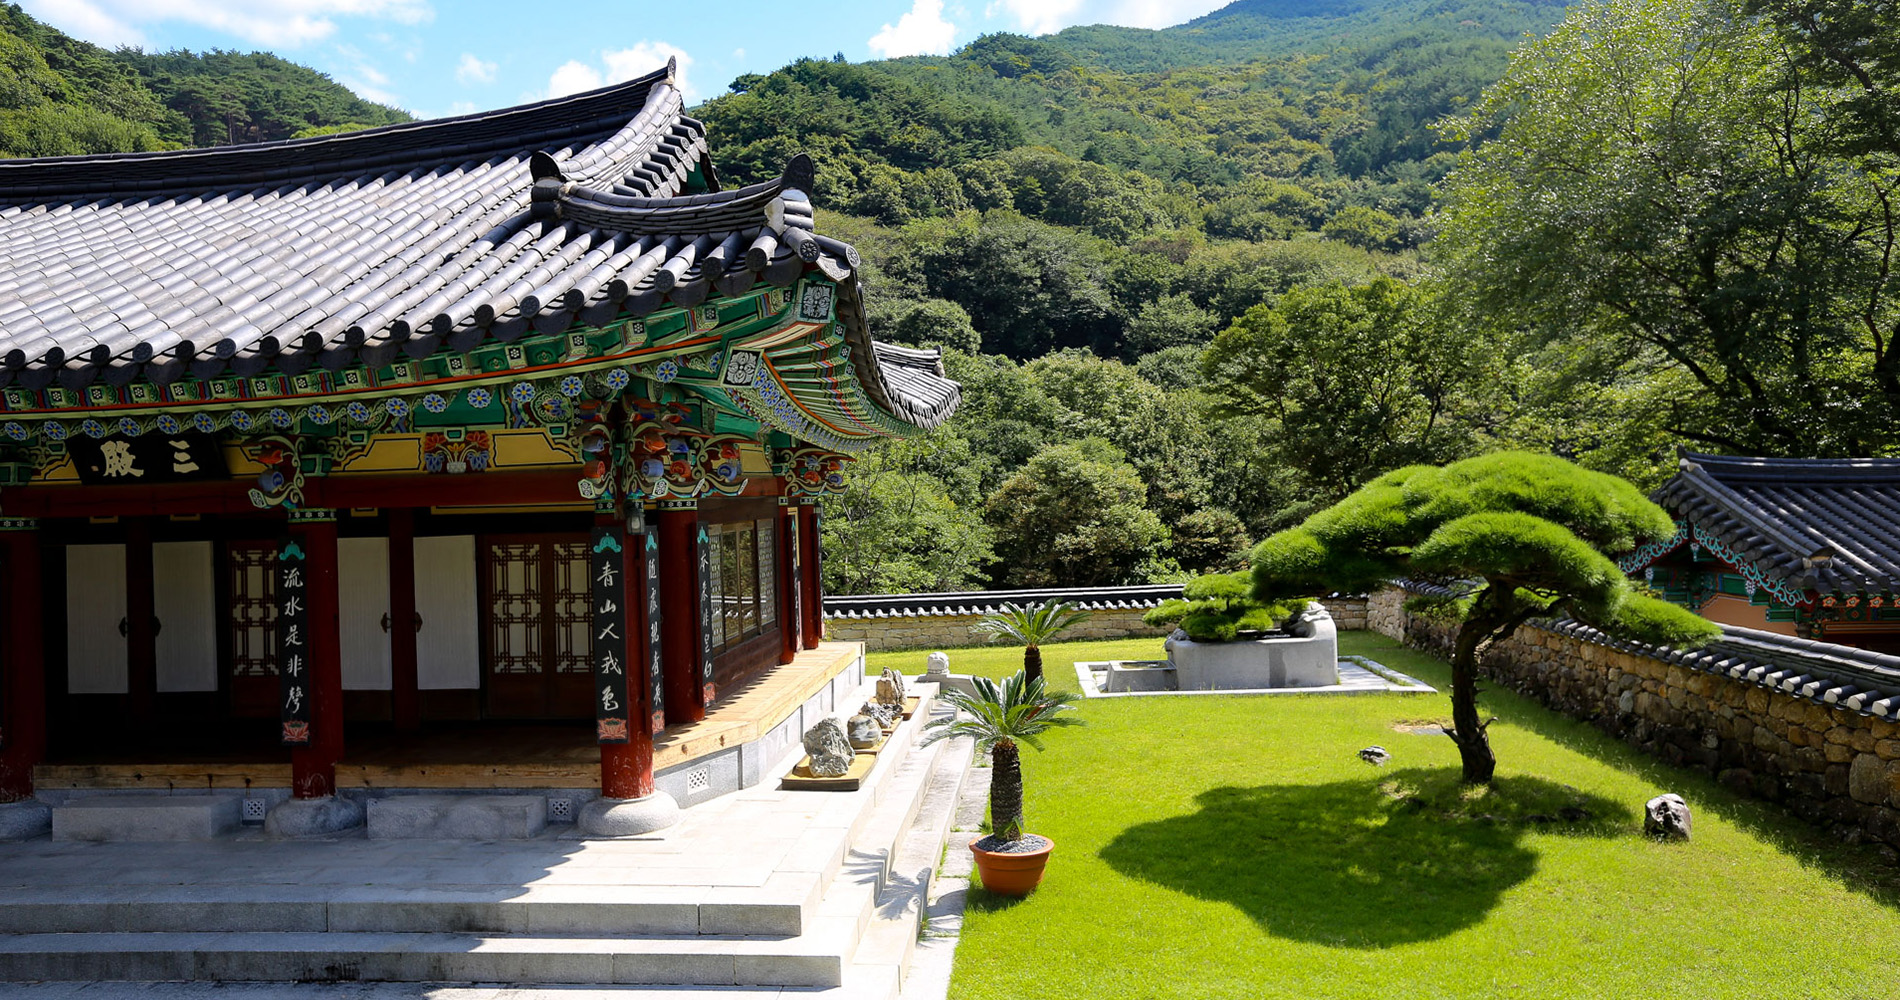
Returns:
<point x="656" y="679"/>
<point x="794" y="560"/>
<point x="293" y="642"/>
<point x="610" y="635"/>
<point x="705" y="619"/>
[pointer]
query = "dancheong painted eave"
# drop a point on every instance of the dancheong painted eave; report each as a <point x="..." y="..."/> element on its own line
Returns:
<point x="360" y="251"/>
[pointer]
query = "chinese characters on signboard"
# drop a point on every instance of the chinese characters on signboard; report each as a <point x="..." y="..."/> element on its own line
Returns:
<point x="705" y="619"/>
<point x="656" y="692"/>
<point x="293" y="642"/>
<point x="610" y="636"/>
<point x="147" y="459"/>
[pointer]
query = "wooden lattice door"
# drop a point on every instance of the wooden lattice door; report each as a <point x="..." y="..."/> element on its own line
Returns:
<point x="250" y="659"/>
<point x="535" y="595"/>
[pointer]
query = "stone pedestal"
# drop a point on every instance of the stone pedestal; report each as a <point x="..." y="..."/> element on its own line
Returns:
<point x="628" y="817"/>
<point x="313" y="817"/>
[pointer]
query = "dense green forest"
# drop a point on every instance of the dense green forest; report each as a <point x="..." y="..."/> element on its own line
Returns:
<point x="1200" y="282"/>
<point x="60" y="96"/>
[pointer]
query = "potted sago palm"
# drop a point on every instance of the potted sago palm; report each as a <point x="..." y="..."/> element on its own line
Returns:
<point x="1003" y="721"/>
<point x="1031" y="626"/>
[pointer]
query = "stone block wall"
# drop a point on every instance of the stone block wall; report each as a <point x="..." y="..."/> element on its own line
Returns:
<point x="948" y="631"/>
<point x="1830" y="766"/>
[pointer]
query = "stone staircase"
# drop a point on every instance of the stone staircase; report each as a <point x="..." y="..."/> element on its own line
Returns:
<point x="837" y="915"/>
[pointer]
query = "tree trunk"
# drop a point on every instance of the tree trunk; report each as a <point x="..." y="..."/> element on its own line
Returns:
<point x="1006" y="791"/>
<point x="1032" y="663"/>
<point x="1474" y="745"/>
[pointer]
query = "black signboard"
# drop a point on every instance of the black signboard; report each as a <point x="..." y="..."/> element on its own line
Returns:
<point x="293" y="642"/>
<point x="610" y="635"/>
<point x="656" y="681"/>
<point x="792" y="570"/>
<point x="147" y="458"/>
<point x="705" y="619"/>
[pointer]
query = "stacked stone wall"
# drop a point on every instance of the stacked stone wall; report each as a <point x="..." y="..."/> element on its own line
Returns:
<point x="1830" y="766"/>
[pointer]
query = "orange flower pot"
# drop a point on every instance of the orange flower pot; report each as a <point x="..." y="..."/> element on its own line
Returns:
<point x="1008" y="874"/>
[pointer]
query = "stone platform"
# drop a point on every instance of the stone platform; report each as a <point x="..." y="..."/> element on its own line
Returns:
<point x="751" y="893"/>
<point x="1155" y="678"/>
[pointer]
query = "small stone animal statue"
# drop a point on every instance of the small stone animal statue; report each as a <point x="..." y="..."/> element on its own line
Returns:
<point x="864" y="732"/>
<point x="1375" y="755"/>
<point x="937" y="668"/>
<point x="890" y="689"/>
<point x="829" y="749"/>
<point x="1666" y="817"/>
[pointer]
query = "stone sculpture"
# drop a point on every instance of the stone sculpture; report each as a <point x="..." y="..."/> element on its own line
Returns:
<point x="1666" y="817"/>
<point x="829" y="749"/>
<point x="937" y="668"/>
<point x="864" y="732"/>
<point x="890" y="689"/>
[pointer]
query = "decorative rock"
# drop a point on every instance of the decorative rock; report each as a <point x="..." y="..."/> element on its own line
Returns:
<point x="1375" y="755"/>
<point x="886" y="716"/>
<point x="937" y="668"/>
<point x="864" y="732"/>
<point x="1666" y="816"/>
<point x="829" y="749"/>
<point x="313" y="817"/>
<point x="628" y="817"/>
<point x="890" y="689"/>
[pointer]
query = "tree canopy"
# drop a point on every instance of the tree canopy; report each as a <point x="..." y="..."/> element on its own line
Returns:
<point x="1511" y="535"/>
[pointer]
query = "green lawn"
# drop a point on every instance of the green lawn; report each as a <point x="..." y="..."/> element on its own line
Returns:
<point x="1236" y="847"/>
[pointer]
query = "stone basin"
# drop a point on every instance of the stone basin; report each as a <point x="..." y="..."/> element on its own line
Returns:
<point x="1303" y="654"/>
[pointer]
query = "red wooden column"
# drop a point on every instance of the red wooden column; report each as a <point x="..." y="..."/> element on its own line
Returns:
<point x="679" y="610"/>
<point x="313" y="768"/>
<point x="626" y="769"/>
<point x="405" y="698"/>
<point x="790" y="610"/>
<point x="141" y="643"/>
<point x="812" y="592"/>
<point x="22" y="658"/>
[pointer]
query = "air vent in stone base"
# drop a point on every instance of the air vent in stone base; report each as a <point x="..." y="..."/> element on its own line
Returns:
<point x="560" y="810"/>
<point x="254" y="810"/>
<point x="698" y="779"/>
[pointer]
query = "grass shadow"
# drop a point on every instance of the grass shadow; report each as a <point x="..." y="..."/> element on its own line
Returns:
<point x="1407" y="856"/>
<point x="1858" y="867"/>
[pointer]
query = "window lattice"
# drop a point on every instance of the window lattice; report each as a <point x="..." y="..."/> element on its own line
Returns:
<point x="253" y="609"/>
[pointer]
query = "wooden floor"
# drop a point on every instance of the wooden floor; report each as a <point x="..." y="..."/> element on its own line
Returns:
<point x="482" y="755"/>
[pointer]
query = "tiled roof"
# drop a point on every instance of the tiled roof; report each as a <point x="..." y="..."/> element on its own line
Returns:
<point x="404" y="240"/>
<point x="1814" y="524"/>
<point x="984" y="602"/>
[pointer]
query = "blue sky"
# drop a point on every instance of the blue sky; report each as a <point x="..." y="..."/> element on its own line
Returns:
<point x="440" y="57"/>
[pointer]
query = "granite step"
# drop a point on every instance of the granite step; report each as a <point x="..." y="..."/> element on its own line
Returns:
<point x="802" y="929"/>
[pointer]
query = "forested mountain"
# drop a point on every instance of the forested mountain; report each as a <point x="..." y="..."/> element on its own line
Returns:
<point x="60" y="96"/>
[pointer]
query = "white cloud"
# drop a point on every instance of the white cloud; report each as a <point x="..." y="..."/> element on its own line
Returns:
<point x="618" y="65"/>
<point x="278" y="24"/>
<point x="472" y="70"/>
<point x="1041" y="17"/>
<point x="738" y="53"/>
<point x="921" y="31"/>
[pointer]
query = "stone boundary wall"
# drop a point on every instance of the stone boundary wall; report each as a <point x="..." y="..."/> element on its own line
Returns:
<point x="948" y="631"/>
<point x="1831" y="766"/>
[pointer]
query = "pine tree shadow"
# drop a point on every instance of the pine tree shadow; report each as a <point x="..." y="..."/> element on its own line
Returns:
<point x="1405" y="856"/>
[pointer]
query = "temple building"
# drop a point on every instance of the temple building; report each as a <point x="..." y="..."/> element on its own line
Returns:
<point x="438" y="452"/>
<point x="1804" y="547"/>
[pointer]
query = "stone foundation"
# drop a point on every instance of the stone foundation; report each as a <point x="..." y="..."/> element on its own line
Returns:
<point x="1831" y="766"/>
